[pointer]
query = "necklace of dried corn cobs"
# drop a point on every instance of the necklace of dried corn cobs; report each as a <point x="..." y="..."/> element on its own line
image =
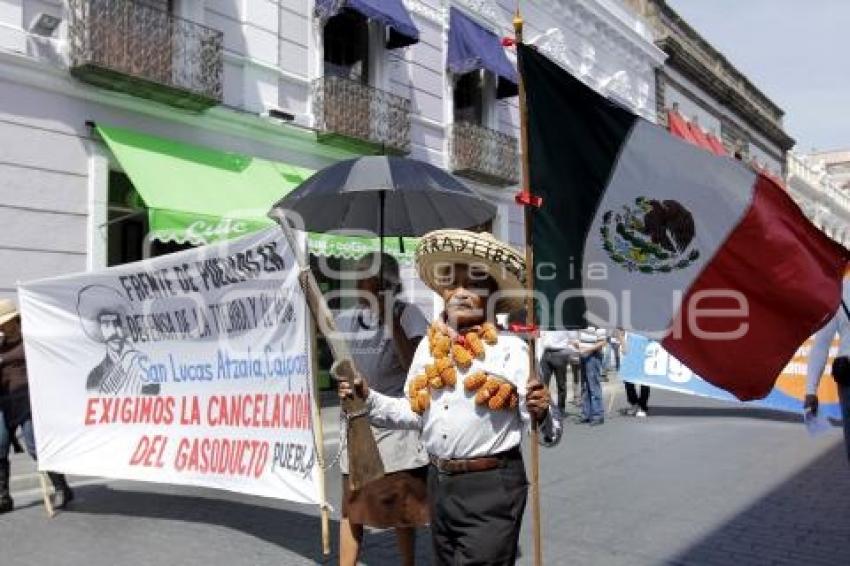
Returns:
<point x="453" y="352"/>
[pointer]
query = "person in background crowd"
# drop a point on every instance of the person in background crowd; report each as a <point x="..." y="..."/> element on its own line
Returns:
<point x="556" y="353"/>
<point x="471" y="395"/>
<point x="617" y="343"/>
<point x="590" y="344"/>
<point x="574" y="397"/>
<point x="840" y="324"/>
<point x="15" y="406"/>
<point x="383" y="332"/>
<point x="638" y="403"/>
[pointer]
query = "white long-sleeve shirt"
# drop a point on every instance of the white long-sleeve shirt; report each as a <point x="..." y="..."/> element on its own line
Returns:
<point x="454" y="426"/>
<point x="823" y="340"/>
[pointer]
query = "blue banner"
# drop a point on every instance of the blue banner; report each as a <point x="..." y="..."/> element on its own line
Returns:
<point x="646" y="362"/>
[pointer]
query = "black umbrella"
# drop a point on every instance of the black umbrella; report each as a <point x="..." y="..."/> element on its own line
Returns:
<point x="389" y="196"/>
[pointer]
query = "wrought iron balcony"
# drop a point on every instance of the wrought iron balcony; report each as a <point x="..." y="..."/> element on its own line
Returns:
<point x="130" y="46"/>
<point x="347" y="111"/>
<point x="484" y="154"/>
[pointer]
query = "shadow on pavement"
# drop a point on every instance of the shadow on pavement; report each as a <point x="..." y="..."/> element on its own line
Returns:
<point x="298" y="533"/>
<point x="734" y="412"/>
<point x="806" y="520"/>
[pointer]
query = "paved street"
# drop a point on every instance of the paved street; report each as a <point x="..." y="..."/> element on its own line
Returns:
<point x="698" y="483"/>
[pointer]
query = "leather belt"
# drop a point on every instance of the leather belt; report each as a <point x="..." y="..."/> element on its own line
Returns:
<point x="466" y="465"/>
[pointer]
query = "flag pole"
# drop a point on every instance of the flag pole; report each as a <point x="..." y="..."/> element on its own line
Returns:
<point x="526" y="198"/>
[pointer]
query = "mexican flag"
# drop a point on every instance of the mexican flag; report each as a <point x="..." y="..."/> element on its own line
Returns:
<point x="642" y="230"/>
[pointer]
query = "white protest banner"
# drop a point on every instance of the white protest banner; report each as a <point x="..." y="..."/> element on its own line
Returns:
<point x="191" y="368"/>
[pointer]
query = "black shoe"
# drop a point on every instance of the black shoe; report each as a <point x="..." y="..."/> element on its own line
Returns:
<point x="597" y="422"/>
<point x="6" y="504"/>
<point x="62" y="497"/>
<point x="581" y="420"/>
<point x="63" y="493"/>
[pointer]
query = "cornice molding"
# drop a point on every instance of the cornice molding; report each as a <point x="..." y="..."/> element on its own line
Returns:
<point x="418" y="7"/>
<point x="485" y="10"/>
<point x="682" y="60"/>
<point x="669" y="23"/>
<point x="611" y="28"/>
<point x="824" y="203"/>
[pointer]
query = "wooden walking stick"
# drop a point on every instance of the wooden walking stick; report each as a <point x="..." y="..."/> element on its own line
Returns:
<point x="319" y="441"/>
<point x="45" y="494"/>
<point x="364" y="460"/>
<point x="529" y="202"/>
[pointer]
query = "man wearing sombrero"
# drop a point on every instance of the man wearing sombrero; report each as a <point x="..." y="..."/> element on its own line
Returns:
<point x="469" y="393"/>
<point x="103" y="315"/>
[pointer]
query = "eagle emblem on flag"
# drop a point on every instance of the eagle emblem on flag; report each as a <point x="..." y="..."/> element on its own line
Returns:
<point x="650" y="236"/>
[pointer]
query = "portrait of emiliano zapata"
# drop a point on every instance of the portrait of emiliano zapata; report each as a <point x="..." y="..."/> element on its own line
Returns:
<point x="103" y="315"/>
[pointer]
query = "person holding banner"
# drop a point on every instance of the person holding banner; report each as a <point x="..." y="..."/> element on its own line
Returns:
<point x="383" y="333"/>
<point x="470" y="393"/>
<point x="638" y="402"/>
<point x="840" y="323"/>
<point x="15" y="406"/>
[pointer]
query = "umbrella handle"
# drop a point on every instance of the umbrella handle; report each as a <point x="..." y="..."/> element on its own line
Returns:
<point x="382" y="203"/>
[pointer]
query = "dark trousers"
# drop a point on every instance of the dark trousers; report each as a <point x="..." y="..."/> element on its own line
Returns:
<point x="7" y="437"/>
<point x="615" y="350"/>
<point x="476" y="516"/>
<point x="556" y="361"/>
<point x="844" y="403"/>
<point x="641" y="401"/>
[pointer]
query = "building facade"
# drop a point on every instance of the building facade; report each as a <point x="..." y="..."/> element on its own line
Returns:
<point x="822" y="194"/>
<point x="297" y="82"/>
<point x="701" y="84"/>
<point x="836" y="164"/>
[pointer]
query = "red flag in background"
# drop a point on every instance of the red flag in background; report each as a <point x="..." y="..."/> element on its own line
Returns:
<point x="678" y="126"/>
<point x="716" y="145"/>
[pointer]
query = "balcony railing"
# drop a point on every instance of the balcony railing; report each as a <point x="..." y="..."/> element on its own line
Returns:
<point x="347" y="111"/>
<point x="484" y="155"/>
<point x="817" y="184"/>
<point x="129" y="46"/>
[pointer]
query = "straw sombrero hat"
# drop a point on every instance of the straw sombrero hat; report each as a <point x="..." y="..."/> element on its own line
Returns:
<point x="439" y="249"/>
<point x="8" y="311"/>
<point x="95" y="300"/>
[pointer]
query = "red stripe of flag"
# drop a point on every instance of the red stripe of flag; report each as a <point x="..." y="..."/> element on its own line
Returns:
<point x="790" y="274"/>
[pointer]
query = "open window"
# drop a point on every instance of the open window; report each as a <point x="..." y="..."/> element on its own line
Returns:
<point x="481" y="74"/>
<point x="353" y="104"/>
<point x="346" y="47"/>
<point x="127" y="227"/>
<point x="469" y="98"/>
<point x="126" y="222"/>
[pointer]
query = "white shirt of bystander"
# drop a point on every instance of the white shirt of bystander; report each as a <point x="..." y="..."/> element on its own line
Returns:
<point x="840" y="324"/>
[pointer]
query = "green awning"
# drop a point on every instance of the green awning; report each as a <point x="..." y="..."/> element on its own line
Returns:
<point x="350" y="247"/>
<point x="196" y="194"/>
<point x="200" y="195"/>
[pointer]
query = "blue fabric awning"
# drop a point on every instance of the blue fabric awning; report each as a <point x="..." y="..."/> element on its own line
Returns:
<point x="391" y="13"/>
<point x="472" y="47"/>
